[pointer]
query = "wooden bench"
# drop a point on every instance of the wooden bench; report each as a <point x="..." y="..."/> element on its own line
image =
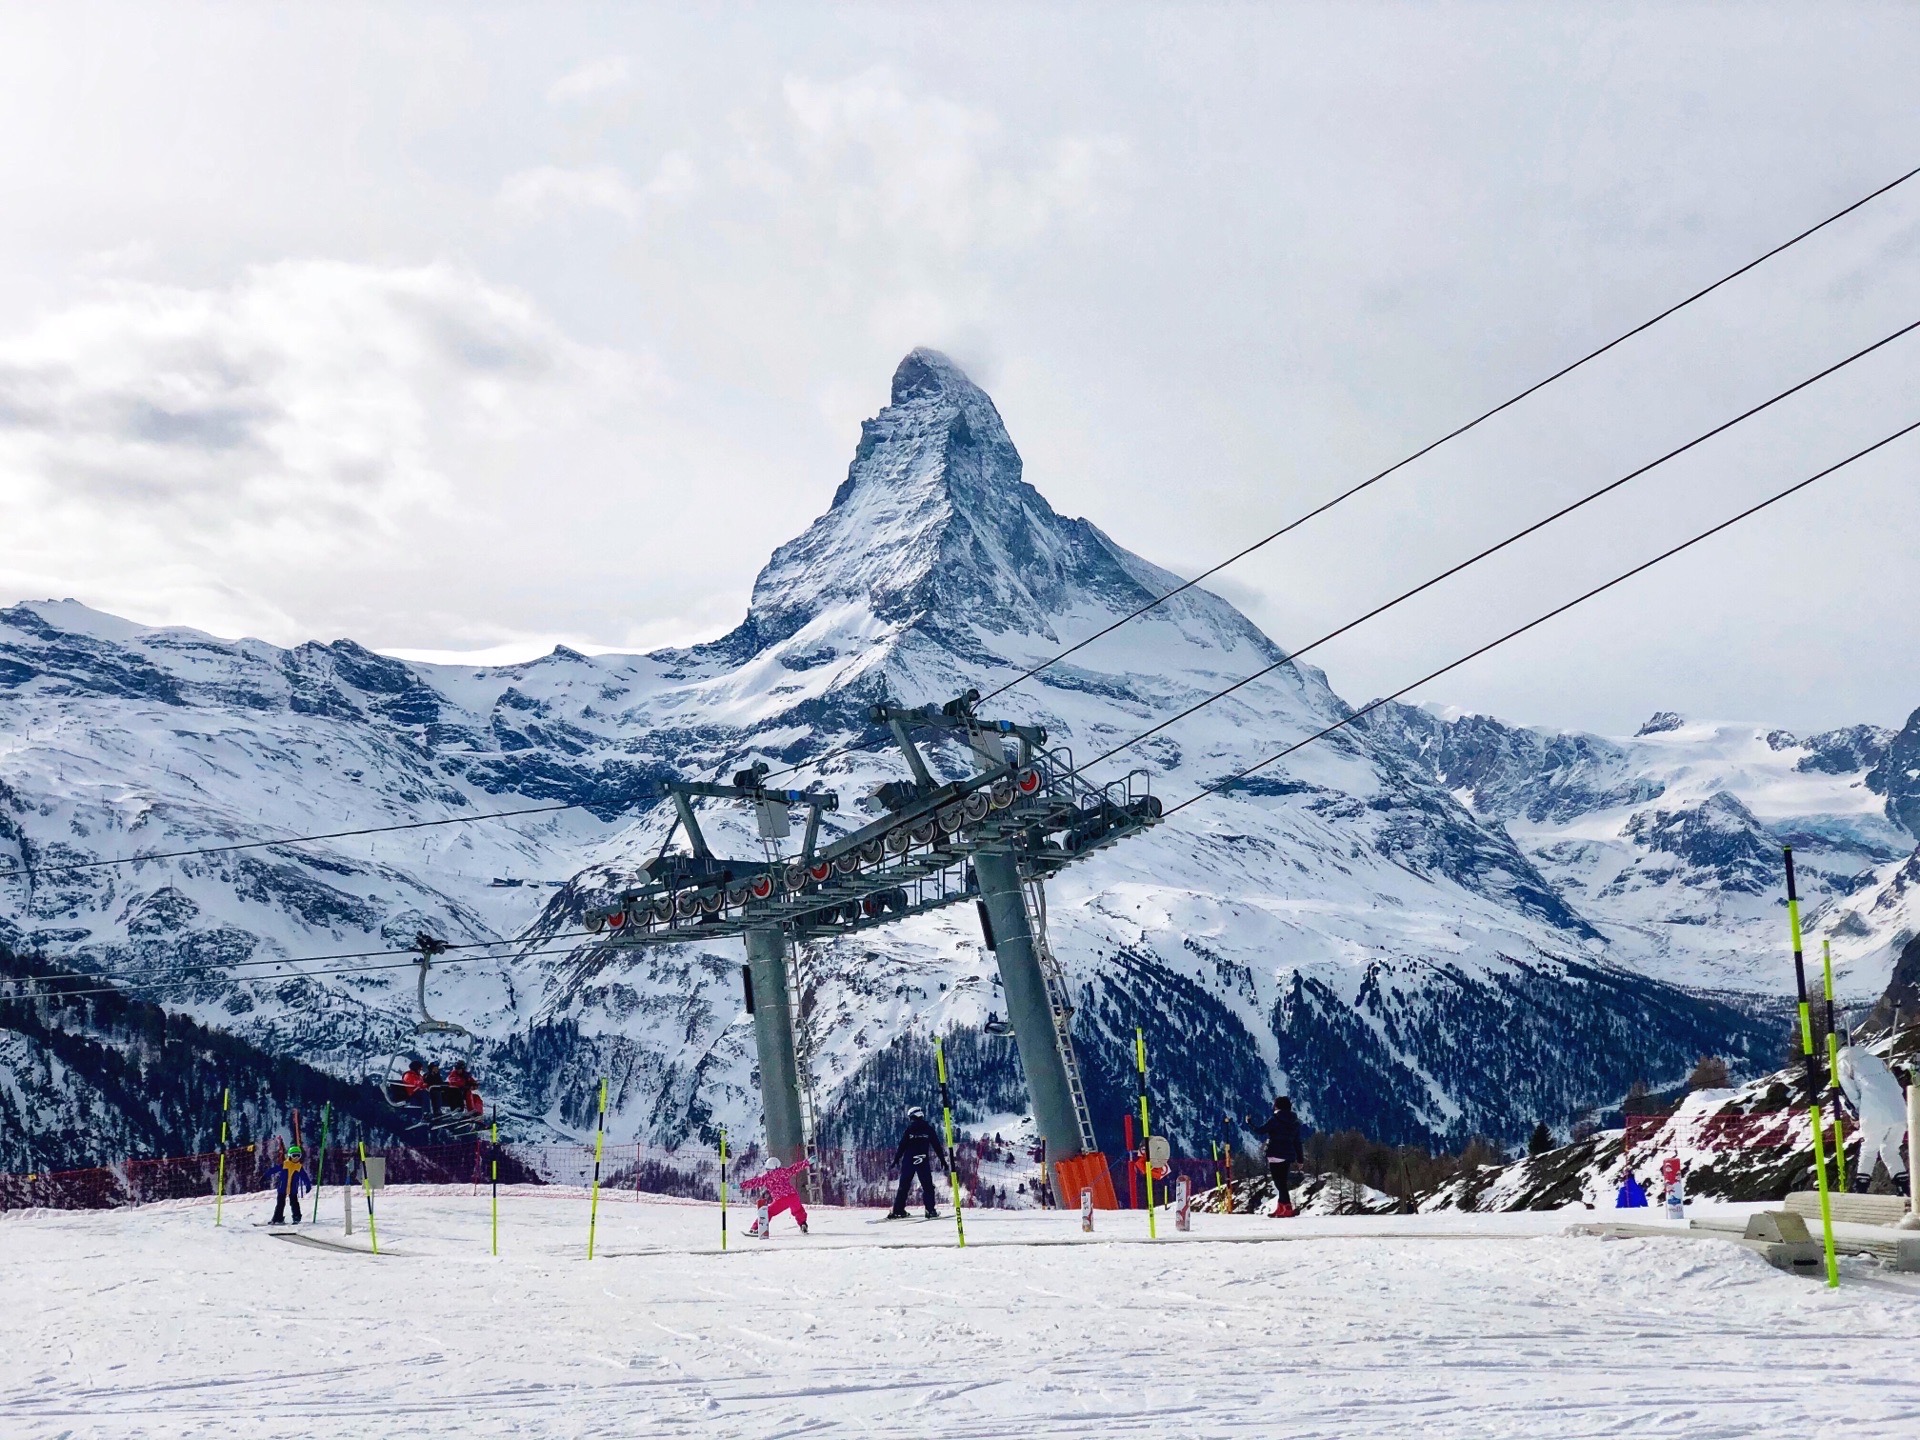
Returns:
<point x="1850" y="1209"/>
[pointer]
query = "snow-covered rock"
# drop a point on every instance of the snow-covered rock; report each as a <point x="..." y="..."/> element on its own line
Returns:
<point x="1670" y="841"/>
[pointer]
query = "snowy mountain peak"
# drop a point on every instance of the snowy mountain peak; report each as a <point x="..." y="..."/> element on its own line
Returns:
<point x="935" y="530"/>
<point x="927" y="374"/>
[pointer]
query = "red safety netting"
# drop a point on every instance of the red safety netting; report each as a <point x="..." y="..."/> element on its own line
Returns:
<point x="1718" y="1130"/>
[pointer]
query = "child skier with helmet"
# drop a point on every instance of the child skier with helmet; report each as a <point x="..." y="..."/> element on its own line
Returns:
<point x="782" y="1194"/>
<point x="289" y="1181"/>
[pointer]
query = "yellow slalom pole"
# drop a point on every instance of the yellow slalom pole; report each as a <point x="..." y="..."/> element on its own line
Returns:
<point x="946" y="1110"/>
<point x="1146" y="1131"/>
<point x="366" y="1183"/>
<point x="1833" y="1075"/>
<point x="1813" y="1087"/>
<point x="723" y="1189"/>
<point x="220" y="1188"/>
<point x="599" y="1139"/>
<point x="493" y="1163"/>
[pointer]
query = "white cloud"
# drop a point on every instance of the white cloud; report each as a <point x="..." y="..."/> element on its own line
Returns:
<point x="922" y="164"/>
<point x="188" y="439"/>
<point x="546" y="190"/>
<point x="595" y="77"/>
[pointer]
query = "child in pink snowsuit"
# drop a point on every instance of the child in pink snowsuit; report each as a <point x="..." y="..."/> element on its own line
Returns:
<point x="781" y="1194"/>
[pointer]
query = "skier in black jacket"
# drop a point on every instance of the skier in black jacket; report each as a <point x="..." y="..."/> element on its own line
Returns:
<point x="1282" y="1130"/>
<point x="919" y="1145"/>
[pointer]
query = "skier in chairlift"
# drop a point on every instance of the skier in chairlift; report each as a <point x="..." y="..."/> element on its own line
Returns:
<point x="919" y="1145"/>
<point x="1282" y="1132"/>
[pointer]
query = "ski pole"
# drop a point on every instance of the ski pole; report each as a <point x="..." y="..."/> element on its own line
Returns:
<point x="1813" y="1080"/>
<point x="366" y="1180"/>
<point x="946" y="1110"/>
<point x="723" y="1189"/>
<point x="493" y="1166"/>
<point x="599" y="1138"/>
<point x="220" y="1187"/>
<point x="320" y="1158"/>
<point x="1146" y="1130"/>
<point x="1833" y="1075"/>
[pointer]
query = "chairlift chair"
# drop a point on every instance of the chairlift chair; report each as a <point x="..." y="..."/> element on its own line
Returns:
<point x="435" y="1114"/>
<point x="427" y="946"/>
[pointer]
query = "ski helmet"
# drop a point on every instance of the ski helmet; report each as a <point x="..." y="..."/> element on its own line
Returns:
<point x="294" y="1151"/>
<point x="916" y="1113"/>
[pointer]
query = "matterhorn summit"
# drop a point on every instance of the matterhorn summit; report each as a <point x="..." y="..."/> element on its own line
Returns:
<point x="935" y="529"/>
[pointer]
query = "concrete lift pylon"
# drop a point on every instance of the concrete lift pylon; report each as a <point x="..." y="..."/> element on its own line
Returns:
<point x="993" y="837"/>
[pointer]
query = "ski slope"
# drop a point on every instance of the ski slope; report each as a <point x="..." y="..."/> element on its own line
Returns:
<point x="153" y="1323"/>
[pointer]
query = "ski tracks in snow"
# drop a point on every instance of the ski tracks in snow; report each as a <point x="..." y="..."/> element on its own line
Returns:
<point x="152" y="1324"/>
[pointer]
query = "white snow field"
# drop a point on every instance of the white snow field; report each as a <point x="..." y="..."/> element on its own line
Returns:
<point x="151" y="1322"/>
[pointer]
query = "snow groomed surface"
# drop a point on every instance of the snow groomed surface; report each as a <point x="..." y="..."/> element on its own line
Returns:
<point x="150" y="1322"/>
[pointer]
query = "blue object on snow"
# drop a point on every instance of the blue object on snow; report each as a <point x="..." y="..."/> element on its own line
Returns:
<point x="1631" y="1196"/>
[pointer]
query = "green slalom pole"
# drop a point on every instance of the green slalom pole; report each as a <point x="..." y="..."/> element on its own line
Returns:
<point x="320" y="1159"/>
<point x="1146" y="1131"/>
<point x="220" y="1186"/>
<point x="723" y="1189"/>
<point x="493" y="1166"/>
<point x="366" y="1182"/>
<point x="1813" y="1081"/>
<point x="599" y="1140"/>
<point x="946" y="1110"/>
<point x="1833" y="1075"/>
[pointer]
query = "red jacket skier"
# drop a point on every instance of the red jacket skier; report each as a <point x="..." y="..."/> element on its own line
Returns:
<point x="779" y="1183"/>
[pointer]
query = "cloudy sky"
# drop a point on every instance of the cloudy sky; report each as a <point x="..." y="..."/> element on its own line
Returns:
<point x="477" y="328"/>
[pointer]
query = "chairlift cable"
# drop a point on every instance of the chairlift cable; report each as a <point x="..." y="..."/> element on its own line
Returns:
<point x="1454" y="434"/>
<point x="1500" y="545"/>
<point x="26" y="986"/>
<point x="178" y="968"/>
<point x="65" y="867"/>
<point x="1774" y="499"/>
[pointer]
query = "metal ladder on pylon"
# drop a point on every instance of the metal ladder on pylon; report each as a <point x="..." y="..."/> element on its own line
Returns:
<point x="1060" y="1005"/>
<point x="803" y="1064"/>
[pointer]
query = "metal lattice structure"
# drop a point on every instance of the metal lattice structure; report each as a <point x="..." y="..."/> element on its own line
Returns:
<point x="910" y="861"/>
<point x="992" y="838"/>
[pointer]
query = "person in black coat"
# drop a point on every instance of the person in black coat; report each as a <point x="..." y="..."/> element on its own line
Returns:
<point x="919" y="1146"/>
<point x="1282" y="1132"/>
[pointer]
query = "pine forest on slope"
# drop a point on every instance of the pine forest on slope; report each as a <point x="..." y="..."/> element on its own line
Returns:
<point x="1426" y="926"/>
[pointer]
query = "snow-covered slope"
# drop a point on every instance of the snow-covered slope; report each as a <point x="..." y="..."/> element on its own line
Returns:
<point x="1670" y="840"/>
<point x="1342" y="925"/>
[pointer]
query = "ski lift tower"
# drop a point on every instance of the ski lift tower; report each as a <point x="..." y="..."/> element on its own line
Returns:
<point x="993" y="837"/>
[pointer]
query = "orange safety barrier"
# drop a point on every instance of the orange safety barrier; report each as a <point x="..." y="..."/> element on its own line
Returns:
<point x="1087" y="1172"/>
